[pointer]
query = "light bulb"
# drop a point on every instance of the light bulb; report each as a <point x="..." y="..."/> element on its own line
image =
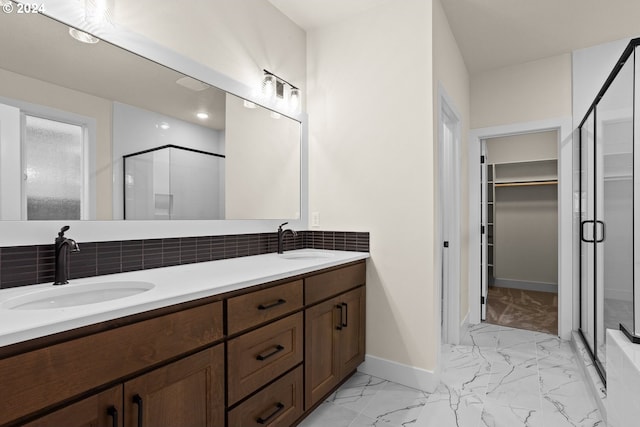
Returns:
<point x="294" y="100"/>
<point x="202" y="115"/>
<point x="269" y="86"/>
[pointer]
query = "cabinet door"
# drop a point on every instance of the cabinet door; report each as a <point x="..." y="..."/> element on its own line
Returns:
<point x="353" y="330"/>
<point x="188" y="392"/>
<point x="322" y="364"/>
<point x="100" y="410"/>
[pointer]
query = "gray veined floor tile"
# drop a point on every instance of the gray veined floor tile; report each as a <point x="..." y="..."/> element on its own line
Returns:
<point x="514" y="386"/>
<point x="356" y="393"/>
<point x="328" y="414"/>
<point x="570" y="412"/>
<point x="395" y="405"/>
<point x="495" y="414"/>
<point x="501" y="377"/>
<point x="447" y="407"/>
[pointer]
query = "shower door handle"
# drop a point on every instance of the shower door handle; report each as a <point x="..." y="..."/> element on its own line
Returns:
<point x="582" y="224"/>
<point x="604" y="232"/>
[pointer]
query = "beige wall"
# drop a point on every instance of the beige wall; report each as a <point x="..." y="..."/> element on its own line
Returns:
<point x="262" y="165"/>
<point x="372" y="164"/>
<point x="527" y="92"/>
<point x="38" y="92"/>
<point x="451" y="73"/>
<point x="236" y="38"/>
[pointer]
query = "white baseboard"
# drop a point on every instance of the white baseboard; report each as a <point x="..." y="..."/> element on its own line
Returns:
<point x="406" y="375"/>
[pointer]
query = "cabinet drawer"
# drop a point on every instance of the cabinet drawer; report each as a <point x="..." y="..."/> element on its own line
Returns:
<point x="258" y="307"/>
<point x="325" y="285"/>
<point x="279" y="404"/>
<point x="259" y="356"/>
<point x="40" y="378"/>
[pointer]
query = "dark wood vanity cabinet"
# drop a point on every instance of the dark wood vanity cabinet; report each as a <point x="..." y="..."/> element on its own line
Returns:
<point x="334" y="330"/>
<point x="189" y="392"/>
<point x="259" y="357"/>
<point x="100" y="410"/>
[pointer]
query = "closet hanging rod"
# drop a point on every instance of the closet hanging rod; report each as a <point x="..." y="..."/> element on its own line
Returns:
<point x="526" y="183"/>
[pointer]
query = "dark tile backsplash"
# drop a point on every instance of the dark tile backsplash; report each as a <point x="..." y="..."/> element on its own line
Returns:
<point x="27" y="265"/>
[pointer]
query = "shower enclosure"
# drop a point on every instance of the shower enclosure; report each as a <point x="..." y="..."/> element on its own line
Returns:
<point x="173" y="182"/>
<point x="608" y="206"/>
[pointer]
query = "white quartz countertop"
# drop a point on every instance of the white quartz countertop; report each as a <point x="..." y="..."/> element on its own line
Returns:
<point x="173" y="285"/>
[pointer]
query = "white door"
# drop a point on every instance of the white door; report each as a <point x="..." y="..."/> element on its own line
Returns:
<point x="449" y="223"/>
<point x="485" y="229"/>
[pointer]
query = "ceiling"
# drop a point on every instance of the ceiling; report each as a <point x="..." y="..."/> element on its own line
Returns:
<point x="499" y="33"/>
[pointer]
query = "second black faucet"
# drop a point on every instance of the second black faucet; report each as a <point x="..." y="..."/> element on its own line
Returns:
<point x="281" y="234"/>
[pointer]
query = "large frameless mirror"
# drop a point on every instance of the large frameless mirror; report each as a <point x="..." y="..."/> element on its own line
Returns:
<point x="93" y="131"/>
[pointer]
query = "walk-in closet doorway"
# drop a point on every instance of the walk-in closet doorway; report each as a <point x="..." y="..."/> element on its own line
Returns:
<point x="567" y="247"/>
<point x="519" y="198"/>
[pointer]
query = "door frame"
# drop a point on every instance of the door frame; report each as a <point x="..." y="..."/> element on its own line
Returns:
<point x="449" y="316"/>
<point x="566" y="284"/>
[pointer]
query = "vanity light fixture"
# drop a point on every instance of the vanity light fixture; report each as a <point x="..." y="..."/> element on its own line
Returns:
<point x="202" y="115"/>
<point x="286" y="95"/>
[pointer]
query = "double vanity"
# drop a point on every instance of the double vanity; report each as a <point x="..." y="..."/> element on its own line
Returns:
<point x="249" y="341"/>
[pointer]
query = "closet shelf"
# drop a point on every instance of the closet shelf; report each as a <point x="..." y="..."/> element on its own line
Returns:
<point x="526" y="183"/>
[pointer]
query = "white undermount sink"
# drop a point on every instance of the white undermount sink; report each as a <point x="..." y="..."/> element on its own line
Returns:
<point x="302" y="255"/>
<point x="76" y="294"/>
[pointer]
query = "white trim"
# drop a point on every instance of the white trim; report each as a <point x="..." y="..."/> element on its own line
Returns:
<point x="446" y="108"/>
<point x="464" y="325"/>
<point x="565" y="216"/>
<point x="406" y="375"/>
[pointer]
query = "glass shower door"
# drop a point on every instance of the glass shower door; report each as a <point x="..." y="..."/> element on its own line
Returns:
<point x="614" y="208"/>
<point x="587" y="241"/>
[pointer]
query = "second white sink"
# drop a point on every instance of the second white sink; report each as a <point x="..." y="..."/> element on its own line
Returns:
<point x="306" y="255"/>
<point x="75" y="295"/>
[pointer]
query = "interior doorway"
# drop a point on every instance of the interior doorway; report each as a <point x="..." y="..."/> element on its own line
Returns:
<point x="449" y="219"/>
<point x="519" y="198"/>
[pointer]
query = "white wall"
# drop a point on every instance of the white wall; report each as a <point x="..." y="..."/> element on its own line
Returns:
<point x="532" y="91"/>
<point x="591" y="67"/>
<point x="451" y="75"/>
<point x="372" y="164"/>
<point x="263" y="163"/>
<point x="236" y="38"/>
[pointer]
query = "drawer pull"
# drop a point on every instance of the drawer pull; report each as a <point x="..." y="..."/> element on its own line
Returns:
<point x="113" y="413"/>
<point x="273" y="304"/>
<point x="339" y="307"/>
<point x="138" y="401"/>
<point x="346" y="315"/>
<point x="279" y="407"/>
<point x="277" y="350"/>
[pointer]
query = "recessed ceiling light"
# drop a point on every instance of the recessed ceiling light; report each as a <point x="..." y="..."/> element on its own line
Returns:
<point x="249" y="104"/>
<point x="83" y="37"/>
<point x="193" y="84"/>
<point x="202" y="115"/>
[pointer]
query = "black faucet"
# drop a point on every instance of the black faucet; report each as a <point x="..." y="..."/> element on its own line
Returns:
<point x="63" y="247"/>
<point x="281" y="234"/>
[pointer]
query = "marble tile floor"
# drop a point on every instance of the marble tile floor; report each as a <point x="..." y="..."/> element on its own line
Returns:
<point x="497" y="377"/>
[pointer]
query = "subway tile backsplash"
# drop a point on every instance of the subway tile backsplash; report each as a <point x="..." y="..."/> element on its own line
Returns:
<point x="27" y="265"/>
